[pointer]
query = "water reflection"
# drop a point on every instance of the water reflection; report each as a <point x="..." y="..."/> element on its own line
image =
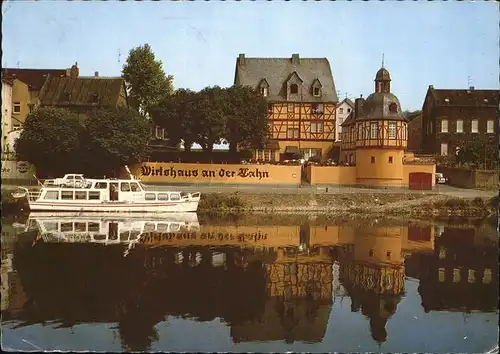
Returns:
<point x="267" y="282"/>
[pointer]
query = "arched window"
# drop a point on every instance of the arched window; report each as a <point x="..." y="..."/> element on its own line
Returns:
<point x="393" y="107"/>
<point x="294" y="88"/>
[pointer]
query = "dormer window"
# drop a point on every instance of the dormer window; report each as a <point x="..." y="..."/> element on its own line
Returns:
<point x="316" y="88"/>
<point x="294" y="88"/>
<point x="67" y="96"/>
<point x="264" y="87"/>
<point x="95" y="98"/>
<point x="393" y="107"/>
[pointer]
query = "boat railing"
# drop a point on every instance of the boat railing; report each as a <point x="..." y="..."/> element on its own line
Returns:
<point x="33" y="195"/>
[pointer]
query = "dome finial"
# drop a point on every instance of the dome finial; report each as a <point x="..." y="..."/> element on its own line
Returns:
<point x="382" y="59"/>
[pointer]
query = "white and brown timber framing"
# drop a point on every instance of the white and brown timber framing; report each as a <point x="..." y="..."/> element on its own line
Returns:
<point x="301" y="98"/>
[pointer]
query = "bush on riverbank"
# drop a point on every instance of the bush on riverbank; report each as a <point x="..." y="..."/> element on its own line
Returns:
<point x="221" y="203"/>
<point x="12" y="205"/>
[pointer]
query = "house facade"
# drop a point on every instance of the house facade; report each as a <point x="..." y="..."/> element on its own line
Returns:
<point x="26" y="86"/>
<point x="6" y="112"/>
<point x="344" y="108"/>
<point x="302" y="103"/>
<point x="415" y="132"/>
<point x="454" y="117"/>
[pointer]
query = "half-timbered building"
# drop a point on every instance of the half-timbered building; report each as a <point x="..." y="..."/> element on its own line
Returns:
<point x="301" y="99"/>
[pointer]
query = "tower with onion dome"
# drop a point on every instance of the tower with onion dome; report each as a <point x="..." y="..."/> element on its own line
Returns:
<point x="375" y="136"/>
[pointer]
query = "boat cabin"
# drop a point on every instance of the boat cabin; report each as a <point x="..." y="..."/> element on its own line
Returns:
<point x="110" y="190"/>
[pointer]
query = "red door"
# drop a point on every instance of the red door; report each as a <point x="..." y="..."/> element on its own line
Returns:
<point x="420" y="181"/>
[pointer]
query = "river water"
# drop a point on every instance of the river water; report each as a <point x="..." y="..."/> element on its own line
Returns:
<point x="251" y="284"/>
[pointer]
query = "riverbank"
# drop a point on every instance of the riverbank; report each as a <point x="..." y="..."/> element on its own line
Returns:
<point x="383" y="204"/>
<point x="362" y="204"/>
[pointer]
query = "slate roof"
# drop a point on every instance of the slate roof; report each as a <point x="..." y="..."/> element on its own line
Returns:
<point x="376" y="106"/>
<point x="348" y="101"/>
<point x="470" y="97"/>
<point x="276" y="71"/>
<point x="34" y="78"/>
<point x="82" y="90"/>
<point x="383" y="75"/>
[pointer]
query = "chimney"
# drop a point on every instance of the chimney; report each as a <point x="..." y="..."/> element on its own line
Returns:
<point x="431" y="87"/>
<point x="358" y="106"/>
<point x="295" y="59"/>
<point x="75" y="72"/>
<point x="471" y="88"/>
<point x="241" y="59"/>
<point x="96" y="74"/>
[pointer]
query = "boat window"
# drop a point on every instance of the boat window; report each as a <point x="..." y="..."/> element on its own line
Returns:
<point x="148" y="227"/>
<point x="175" y="196"/>
<point x="142" y="186"/>
<point x="125" y="187"/>
<point x="99" y="237"/>
<point x="162" y="196"/>
<point x="162" y="227"/>
<point x="150" y="196"/>
<point x="51" y="195"/>
<point x="174" y="227"/>
<point x="51" y="226"/>
<point x="124" y="235"/>
<point x="184" y="194"/>
<point x="81" y="195"/>
<point x="93" y="227"/>
<point x="93" y="195"/>
<point x="101" y="185"/>
<point x="134" y="187"/>
<point x="80" y="226"/>
<point x="66" y="226"/>
<point x="66" y="195"/>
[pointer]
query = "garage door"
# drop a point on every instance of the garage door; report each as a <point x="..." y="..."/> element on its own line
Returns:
<point x="420" y="181"/>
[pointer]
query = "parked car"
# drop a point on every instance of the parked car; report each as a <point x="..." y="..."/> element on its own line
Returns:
<point x="440" y="178"/>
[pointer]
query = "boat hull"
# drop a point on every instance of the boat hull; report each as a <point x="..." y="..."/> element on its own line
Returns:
<point x="117" y="207"/>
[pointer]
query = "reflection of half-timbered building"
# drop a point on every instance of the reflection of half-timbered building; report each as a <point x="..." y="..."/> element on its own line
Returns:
<point x="302" y="101"/>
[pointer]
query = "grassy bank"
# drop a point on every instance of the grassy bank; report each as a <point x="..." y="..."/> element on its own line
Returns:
<point x="417" y="205"/>
<point x="338" y="205"/>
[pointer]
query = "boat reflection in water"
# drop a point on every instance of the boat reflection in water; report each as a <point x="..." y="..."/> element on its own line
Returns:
<point x="267" y="282"/>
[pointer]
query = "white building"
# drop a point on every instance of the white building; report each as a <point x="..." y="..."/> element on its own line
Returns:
<point x="344" y="108"/>
<point x="6" y="111"/>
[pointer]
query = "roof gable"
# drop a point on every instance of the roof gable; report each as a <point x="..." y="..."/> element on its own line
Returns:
<point x="263" y="83"/>
<point x="67" y="91"/>
<point x="470" y="97"/>
<point x="34" y="78"/>
<point x="278" y="71"/>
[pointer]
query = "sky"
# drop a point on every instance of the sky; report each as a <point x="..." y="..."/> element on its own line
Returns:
<point x="446" y="44"/>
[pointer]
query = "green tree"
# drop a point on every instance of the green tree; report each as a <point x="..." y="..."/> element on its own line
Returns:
<point x="247" y="125"/>
<point x="50" y="140"/>
<point x="210" y="107"/>
<point x="478" y="153"/>
<point x="176" y="114"/>
<point x="115" y="137"/>
<point x="145" y="79"/>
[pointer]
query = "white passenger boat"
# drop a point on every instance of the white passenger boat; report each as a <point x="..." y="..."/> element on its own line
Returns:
<point x="106" y="195"/>
<point x="110" y="229"/>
